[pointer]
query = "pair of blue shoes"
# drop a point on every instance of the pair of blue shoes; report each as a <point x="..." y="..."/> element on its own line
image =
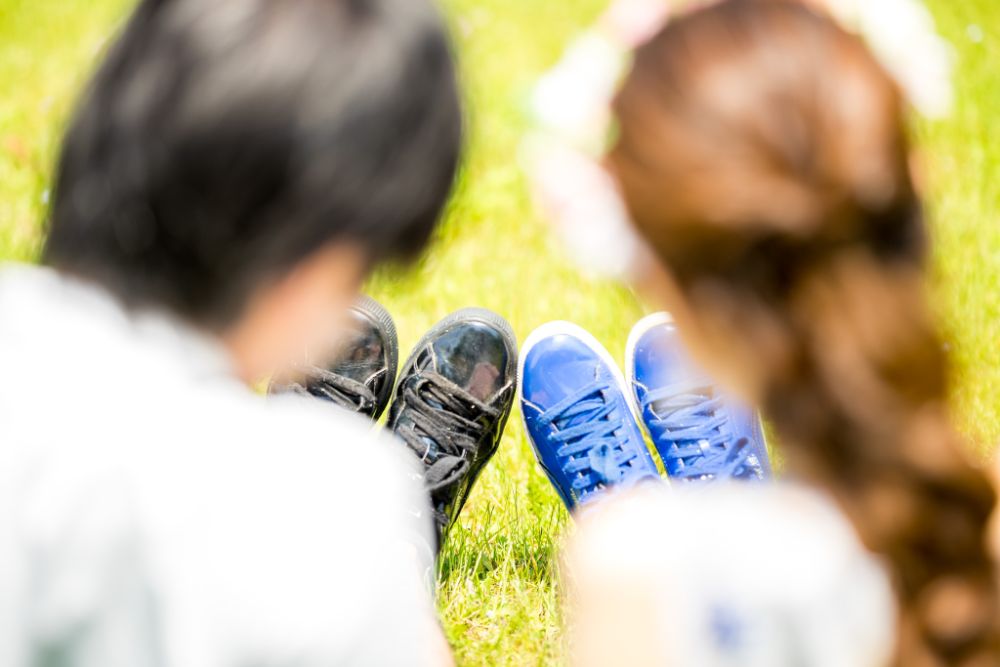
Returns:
<point x="583" y="417"/>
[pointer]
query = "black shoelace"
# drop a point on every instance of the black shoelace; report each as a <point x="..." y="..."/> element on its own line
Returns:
<point x="343" y="391"/>
<point x="454" y="420"/>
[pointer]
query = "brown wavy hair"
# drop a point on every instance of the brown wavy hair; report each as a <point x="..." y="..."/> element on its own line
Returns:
<point x="764" y="157"/>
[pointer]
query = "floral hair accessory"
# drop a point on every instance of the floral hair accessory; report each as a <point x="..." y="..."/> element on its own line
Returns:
<point x="573" y="124"/>
<point x="902" y="35"/>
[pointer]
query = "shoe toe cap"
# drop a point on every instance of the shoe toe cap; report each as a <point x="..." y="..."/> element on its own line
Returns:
<point x="556" y="367"/>
<point x="475" y="356"/>
<point x="660" y="359"/>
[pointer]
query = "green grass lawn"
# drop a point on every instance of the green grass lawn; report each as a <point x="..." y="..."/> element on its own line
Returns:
<point x="498" y="595"/>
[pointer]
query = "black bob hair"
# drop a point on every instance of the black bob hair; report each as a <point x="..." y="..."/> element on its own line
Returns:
<point x="223" y="141"/>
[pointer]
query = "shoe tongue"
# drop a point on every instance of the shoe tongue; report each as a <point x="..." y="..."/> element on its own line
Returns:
<point x="586" y="417"/>
<point x="714" y="452"/>
<point x="578" y="420"/>
<point x="433" y="449"/>
<point x="604" y="465"/>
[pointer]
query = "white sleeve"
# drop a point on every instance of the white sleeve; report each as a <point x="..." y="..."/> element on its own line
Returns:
<point x="402" y="626"/>
<point x="315" y="553"/>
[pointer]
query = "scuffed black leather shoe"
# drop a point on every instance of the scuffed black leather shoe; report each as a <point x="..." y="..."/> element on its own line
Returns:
<point x="451" y="404"/>
<point x="360" y="378"/>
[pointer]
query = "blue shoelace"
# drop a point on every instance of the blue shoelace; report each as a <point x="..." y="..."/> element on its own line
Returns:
<point x="595" y="447"/>
<point x="694" y="435"/>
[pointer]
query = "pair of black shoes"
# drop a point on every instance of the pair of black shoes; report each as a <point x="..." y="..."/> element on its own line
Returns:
<point x="449" y="405"/>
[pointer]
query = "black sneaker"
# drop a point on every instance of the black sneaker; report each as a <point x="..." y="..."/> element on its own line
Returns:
<point x="451" y="403"/>
<point x="360" y="378"/>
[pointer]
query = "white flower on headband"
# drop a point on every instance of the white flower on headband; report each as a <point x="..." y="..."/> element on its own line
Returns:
<point x="902" y="35"/>
<point x="572" y="101"/>
<point x="571" y="110"/>
<point x="581" y="201"/>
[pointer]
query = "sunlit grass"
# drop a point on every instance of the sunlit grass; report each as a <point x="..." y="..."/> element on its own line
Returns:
<point x="497" y="593"/>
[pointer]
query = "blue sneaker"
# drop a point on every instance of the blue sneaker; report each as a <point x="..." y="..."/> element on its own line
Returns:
<point x="576" y="412"/>
<point x="700" y="433"/>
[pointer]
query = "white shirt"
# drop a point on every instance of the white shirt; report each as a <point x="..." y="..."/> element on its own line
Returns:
<point x="154" y="511"/>
<point x="732" y="575"/>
